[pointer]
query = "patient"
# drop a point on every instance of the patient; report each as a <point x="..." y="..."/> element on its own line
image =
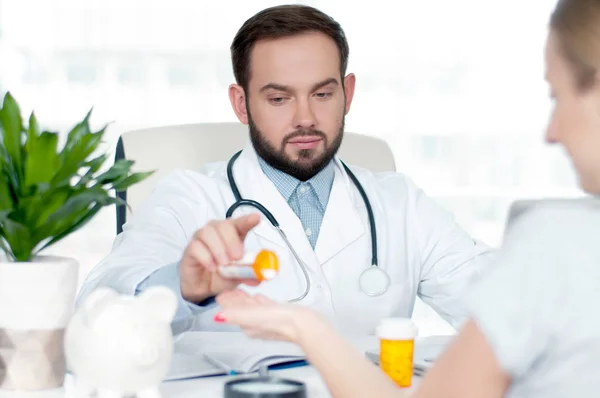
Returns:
<point x="534" y="327"/>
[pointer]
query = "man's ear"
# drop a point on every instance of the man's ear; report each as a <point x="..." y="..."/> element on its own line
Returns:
<point x="349" y="85"/>
<point x="237" y="97"/>
<point x="596" y="89"/>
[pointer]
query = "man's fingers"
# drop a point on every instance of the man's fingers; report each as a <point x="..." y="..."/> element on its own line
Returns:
<point x="198" y="253"/>
<point x="223" y="240"/>
<point x="218" y="243"/>
<point x="249" y="282"/>
<point x="245" y="223"/>
<point x="210" y="236"/>
<point x="234" y="246"/>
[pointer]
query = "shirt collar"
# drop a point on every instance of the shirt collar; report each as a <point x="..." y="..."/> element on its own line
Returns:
<point x="286" y="184"/>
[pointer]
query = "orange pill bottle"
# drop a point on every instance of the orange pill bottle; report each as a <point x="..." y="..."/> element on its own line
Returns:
<point x="396" y="349"/>
<point x="262" y="266"/>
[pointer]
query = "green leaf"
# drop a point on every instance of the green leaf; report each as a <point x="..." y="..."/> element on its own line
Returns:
<point x="131" y="180"/>
<point x="42" y="159"/>
<point x="18" y="237"/>
<point x="6" y="248"/>
<point x="4" y="214"/>
<point x="76" y="203"/>
<point x="77" y="224"/>
<point x="33" y="132"/>
<point x="34" y="127"/>
<point x="118" y="171"/>
<point x="73" y="160"/>
<point x="12" y="127"/>
<point x="9" y="194"/>
<point x="6" y="199"/>
<point x="39" y="207"/>
<point x="76" y="133"/>
<point x="94" y="165"/>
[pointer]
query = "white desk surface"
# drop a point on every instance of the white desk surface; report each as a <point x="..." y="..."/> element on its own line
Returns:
<point x="208" y="387"/>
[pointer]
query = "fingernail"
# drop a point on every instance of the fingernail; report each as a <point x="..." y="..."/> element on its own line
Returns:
<point x="220" y="317"/>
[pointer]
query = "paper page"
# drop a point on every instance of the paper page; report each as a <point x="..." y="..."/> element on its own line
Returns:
<point x="249" y="360"/>
<point x="186" y="366"/>
<point x="197" y="352"/>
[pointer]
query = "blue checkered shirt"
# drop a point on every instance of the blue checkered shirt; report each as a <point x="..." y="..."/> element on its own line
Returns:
<point x="308" y="199"/>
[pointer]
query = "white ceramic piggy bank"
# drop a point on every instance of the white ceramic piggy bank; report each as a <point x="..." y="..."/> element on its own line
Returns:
<point x="120" y="345"/>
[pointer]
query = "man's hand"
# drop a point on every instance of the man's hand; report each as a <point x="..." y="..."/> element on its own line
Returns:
<point x="218" y="243"/>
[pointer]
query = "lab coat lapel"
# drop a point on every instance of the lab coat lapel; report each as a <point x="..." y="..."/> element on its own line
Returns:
<point x="254" y="184"/>
<point x="341" y="223"/>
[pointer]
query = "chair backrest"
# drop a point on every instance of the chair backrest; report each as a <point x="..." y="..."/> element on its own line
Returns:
<point x="190" y="146"/>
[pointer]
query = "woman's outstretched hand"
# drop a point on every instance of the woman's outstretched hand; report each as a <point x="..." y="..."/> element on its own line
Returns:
<point x="260" y="317"/>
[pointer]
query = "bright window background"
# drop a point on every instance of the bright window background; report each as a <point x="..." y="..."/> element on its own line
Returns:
<point x="455" y="87"/>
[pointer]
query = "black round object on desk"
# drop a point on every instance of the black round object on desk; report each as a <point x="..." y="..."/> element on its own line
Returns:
<point x="264" y="387"/>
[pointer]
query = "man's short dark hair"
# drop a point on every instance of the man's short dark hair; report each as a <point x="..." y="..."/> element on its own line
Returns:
<point x="283" y="21"/>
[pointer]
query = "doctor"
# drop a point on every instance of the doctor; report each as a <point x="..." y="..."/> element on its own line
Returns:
<point x="293" y="92"/>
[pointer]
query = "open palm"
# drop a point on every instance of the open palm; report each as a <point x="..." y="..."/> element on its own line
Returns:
<point x="258" y="316"/>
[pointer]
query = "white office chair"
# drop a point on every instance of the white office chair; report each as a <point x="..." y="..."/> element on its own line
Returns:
<point x="190" y="146"/>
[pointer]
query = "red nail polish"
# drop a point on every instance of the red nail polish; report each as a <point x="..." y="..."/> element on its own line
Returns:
<point x="220" y="317"/>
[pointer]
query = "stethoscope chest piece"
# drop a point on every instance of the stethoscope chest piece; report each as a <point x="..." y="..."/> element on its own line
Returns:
<point x="264" y="387"/>
<point x="374" y="281"/>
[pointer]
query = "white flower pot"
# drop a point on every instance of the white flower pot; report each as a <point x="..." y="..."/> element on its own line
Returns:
<point x="36" y="304"/>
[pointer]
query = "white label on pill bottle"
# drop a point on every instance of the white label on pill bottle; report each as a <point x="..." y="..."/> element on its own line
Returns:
<point x="237" y="272"/>
<point x="247" y="259"/>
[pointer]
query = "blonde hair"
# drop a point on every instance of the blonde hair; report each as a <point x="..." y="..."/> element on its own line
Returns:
<point x="576" y="25"/>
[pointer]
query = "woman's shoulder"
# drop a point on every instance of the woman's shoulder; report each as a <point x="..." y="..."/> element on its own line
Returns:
<point x="553" y="220"/>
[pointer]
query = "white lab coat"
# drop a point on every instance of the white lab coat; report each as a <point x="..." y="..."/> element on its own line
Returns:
<point x="419" y="244"/>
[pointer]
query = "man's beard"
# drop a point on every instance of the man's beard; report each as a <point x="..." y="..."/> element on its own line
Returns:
<point x="278" y="159"/>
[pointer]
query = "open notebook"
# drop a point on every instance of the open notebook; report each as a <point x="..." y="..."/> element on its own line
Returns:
<point x="201" y="354"/>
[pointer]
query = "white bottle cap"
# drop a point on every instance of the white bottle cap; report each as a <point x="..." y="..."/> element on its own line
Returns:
<point x="268" y="274"/>
<point x="396" y="329"/>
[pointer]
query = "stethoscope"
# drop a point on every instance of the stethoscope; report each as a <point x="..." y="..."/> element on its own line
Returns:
<point x="373" y="281"/>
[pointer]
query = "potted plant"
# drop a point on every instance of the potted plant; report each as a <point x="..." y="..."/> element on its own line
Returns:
<point x="46" y="194"/>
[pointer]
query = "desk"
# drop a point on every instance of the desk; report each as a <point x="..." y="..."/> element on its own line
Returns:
<point x="208" y="387"/>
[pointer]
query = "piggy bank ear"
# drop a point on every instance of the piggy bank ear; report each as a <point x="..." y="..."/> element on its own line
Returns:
<point x="161" y="301"/>
<point x="95" y="302"/>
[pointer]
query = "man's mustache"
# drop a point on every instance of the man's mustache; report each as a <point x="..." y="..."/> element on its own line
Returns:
<point x="305" y="133"/>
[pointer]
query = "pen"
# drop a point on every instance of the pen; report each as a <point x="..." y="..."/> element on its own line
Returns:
<point x="220" y="365"/>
